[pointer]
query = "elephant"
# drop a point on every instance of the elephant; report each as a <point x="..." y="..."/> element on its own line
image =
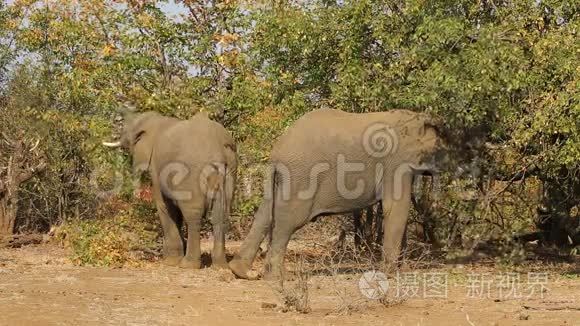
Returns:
<point x="192" y="164"/>
<point x="331" y="162"/>
<point x="367" y="229"/>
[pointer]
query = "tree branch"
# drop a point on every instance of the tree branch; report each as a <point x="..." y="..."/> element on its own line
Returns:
<point x="527" y="171"/>
<point x="26" y="175"/>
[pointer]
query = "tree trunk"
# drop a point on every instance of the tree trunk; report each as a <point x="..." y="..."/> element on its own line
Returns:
<point x="7" y="218"/>
<point x="17" y="170"/>
<point x="8" y="207"/>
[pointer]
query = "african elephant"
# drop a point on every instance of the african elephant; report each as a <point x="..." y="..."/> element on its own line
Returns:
<point x="193" y="165"/>
<point x="332" y="162"/>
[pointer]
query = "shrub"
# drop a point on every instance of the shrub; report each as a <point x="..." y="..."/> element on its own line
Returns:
<point x="128" y="236"/>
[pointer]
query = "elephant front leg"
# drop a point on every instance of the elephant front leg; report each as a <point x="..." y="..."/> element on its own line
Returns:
<point x="192" y="258"/>
<point x="171" y="220"/>
<point x="396" y="205"/>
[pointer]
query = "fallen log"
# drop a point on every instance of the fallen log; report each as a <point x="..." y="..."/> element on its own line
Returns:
<point x="19" y="240"/>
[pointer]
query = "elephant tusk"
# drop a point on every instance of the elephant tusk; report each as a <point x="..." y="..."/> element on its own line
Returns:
<point x="112" y="145"/>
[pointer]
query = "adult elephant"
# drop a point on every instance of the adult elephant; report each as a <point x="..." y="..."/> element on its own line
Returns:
<point x="193" y="165"/>
<point x="332" y="162"/>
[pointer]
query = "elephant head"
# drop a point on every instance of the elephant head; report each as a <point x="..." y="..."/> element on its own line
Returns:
<point x="429" y="144"/>
<point x="138" y="136"/>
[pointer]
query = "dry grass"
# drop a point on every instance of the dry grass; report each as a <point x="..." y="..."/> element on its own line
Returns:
<point x="294" y="294"/>
<point x="323" y="254"/>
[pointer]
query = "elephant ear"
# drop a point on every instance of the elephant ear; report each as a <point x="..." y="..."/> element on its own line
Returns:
<point x="138" y="125"/>
<point x="430" y="135"/>
<point x="143" y="125"/>
<point x="430" y="128"/>
<point x="139" y="138"/>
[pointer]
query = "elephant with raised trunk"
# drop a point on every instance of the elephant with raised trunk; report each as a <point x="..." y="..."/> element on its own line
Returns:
<point x="332" y="162"/>
<point x="193" y="165"/>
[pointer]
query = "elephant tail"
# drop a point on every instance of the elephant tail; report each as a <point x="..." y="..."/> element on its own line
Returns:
<point x="217" y="200"/>
<point x="274" y="178"/>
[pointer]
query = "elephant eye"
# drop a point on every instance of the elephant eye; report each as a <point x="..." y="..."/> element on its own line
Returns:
<point x="138" y="136"/>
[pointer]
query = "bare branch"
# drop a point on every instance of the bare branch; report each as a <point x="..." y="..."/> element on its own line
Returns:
<point x="35" y="145"/>
<point x="25" y="176"/>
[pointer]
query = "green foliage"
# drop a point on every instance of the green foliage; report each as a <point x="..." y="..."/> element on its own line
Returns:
<point x="123" y="235"/>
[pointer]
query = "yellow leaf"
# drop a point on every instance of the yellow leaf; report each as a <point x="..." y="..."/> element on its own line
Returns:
<point x="108" y="50"/>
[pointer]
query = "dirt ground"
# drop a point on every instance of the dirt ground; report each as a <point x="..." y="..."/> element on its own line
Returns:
<point x="39" y="286"/>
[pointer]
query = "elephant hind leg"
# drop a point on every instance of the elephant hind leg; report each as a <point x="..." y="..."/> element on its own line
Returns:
<point x="171" y="222"/>
<point x="242" y="262"/>
<point x="274" y="268"/>
<point x="287" y="220"/>
<point x="192" y="215"/>
<point x="218" y="210"/>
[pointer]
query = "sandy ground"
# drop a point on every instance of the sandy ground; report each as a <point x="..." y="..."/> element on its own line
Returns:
<point x="39" y="286"/>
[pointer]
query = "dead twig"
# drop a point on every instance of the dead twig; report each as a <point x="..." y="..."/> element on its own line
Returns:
<point x="552" y="308"/>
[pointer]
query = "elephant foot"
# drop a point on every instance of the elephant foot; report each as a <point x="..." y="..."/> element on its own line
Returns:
<point x="171" y="260"/>
<point x="273" y="274"/>
<point x="240" y="268"/>
<point x="276" y="279"/>
<point x="189" y="263"/>
<point x="270" y="276"/>
<point x="219" y="263"/>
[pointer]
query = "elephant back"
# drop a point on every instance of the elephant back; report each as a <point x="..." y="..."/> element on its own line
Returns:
<point x="196" y="142"/>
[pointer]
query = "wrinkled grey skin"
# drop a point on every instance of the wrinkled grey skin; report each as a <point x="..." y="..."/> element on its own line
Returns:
<point x="193" y="165"/>
<point x="321" y="136"/>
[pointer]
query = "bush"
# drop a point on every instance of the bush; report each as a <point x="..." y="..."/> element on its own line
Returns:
<point x="128" y="236"/>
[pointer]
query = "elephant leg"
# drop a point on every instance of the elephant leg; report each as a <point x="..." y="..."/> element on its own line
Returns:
<point x="218" y="255"/>
<point x="368" y="227"/>
<point x="171" y="221"/>
<point x="357" y="216"/>
<point x="242" y="261"/>
<point x="192" y="216"/>
<point x="396" y="205"/>
<point x="379" y="224"/>
<point x="287" y="220"/>
<point x="219" y="213"/>
<point x="274" y="269"/>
